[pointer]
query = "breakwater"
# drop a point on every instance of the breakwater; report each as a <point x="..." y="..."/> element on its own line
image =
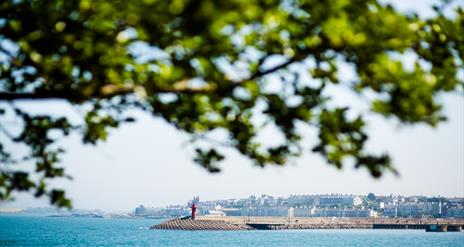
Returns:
<point x="189" y="224"/>
<point x="277" y="223"/>
<point x="281" y="223"/>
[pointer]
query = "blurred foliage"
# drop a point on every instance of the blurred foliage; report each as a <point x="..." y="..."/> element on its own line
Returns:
<point x="205" y="65"/>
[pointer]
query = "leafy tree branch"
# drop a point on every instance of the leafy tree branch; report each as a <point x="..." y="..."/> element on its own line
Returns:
<point x="206" y="66"/>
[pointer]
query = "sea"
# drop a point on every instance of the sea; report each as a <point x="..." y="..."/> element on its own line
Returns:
<point x="68" y="231"/>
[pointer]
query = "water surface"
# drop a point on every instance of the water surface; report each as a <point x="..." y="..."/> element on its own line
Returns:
<point x="46" y="231"/>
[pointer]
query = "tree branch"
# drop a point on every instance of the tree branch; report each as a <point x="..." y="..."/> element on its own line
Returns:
<point x="111" y="90"/>
<point x="8" y="96"/>
<point x="281" y="66"/>
<point x="106" y="92"/>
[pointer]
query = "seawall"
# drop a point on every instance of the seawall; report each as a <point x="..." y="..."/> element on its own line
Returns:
<point x="270" y="223"/>
<point x="229" y="223"/>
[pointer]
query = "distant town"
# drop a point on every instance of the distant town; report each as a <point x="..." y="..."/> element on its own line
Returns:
<point x="328" y="205"/>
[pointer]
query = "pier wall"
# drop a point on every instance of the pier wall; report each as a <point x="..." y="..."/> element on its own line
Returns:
<point x="334" y="223"/>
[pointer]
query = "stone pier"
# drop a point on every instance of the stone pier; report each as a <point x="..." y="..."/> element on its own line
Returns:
<point x="190" y="224"/>
<point x="224" y="223"/>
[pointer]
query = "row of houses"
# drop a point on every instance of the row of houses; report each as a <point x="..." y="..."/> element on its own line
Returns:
<point x="427" y="209"/>
<point x="328" y="205"/>
<point x="402" y="210"/>
<point x="322" y="212"/>
<point x="293" y="212"/>
<point x="326" y="200"/>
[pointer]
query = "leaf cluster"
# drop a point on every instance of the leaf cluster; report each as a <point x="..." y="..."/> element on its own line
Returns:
<point x="233" y="66"/>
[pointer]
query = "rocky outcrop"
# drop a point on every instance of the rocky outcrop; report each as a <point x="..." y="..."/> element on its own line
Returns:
<point x="193" y="225"/>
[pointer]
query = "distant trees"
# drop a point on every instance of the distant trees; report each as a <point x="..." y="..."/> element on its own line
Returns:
<point x="207" y="67"/>
<point x="371" y="197"/>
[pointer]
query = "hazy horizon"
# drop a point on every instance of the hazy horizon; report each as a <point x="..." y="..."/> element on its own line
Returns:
<point x="224" y="198"/>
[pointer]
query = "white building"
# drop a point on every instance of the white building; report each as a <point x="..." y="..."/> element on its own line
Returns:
<point x="455" y="213"/>
<point x="265" y="211"/>
<point x="301" y="212"/>
<point x="339" y="200"/>
<point x="359" y="213"/>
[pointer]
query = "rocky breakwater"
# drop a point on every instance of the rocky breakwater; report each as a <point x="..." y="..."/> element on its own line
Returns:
<point x="193" y="225"/>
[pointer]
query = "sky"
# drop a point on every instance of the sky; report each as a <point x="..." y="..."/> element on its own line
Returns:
<point x="148" y="163"/>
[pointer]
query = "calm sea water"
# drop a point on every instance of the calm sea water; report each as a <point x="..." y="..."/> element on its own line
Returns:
<point x="44" y="231"/>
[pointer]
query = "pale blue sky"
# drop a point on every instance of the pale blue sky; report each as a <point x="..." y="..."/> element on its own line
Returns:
<point x="146" y="162"/>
